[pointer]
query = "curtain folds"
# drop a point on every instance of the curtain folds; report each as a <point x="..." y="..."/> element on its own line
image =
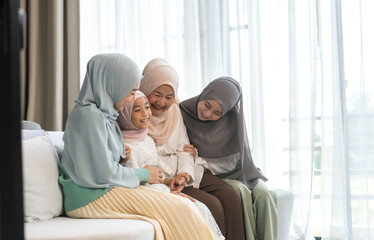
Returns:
<point x="52" y="61"/>
<point x="327" y="112"/>
<point x="255" y="99"/>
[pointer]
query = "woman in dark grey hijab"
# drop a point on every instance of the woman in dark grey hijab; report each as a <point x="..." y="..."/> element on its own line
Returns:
<point x="216" y="127"/>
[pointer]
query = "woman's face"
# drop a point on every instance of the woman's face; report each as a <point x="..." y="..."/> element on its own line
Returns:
<point x="161" y="98"/>
<point x="209" y="110"/>
<point x="141" y="113"/>
<point x="130" y="97"/>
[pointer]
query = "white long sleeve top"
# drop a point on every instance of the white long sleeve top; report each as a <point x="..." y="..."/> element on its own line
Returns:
<point x="171" y="158"/>
<point x="142" y="153"/>
<point x="220" y="165"/>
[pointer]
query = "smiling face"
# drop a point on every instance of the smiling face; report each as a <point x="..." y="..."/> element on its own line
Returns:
<point x="141" y="113"/>
<point x="209" y="110"/>
<point x="161" y="98"/>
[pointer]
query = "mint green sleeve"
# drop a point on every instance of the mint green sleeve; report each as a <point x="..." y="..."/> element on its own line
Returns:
<point x="142" y="174"/>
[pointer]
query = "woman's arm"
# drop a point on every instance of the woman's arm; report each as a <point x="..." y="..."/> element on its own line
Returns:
<point x="185" y="160"/>
<point x="88" y="157"/>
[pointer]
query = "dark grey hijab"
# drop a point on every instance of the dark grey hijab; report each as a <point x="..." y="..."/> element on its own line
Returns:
<point x="226" y="135"/>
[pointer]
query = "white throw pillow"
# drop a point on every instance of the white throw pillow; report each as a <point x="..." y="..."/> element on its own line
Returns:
<point x="42" y="195"/>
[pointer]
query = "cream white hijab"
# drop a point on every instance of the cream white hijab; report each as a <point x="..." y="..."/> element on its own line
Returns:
<point x="156" y="73"/>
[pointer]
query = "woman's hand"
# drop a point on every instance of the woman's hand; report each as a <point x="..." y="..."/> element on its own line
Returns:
<point x="179" y="182"/>
<point x="155" y="174"/>
<point x="182" y="179"/>
<point x="128" y="153"/>
<point x="191" y="150"/>
<point x="167" y="181"/>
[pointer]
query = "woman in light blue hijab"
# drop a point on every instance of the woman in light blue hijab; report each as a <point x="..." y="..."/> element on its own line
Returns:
<point x="94" y="184"/>
<point x="92" y="134"/>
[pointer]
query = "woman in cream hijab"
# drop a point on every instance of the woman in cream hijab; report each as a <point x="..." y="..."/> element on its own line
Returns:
<point x="160" y="85"/>
<point x="94" y="184"/>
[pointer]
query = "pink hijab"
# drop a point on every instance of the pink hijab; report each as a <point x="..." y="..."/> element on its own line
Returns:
<point x="130" y="133"/>
<point x="156" y="73"/>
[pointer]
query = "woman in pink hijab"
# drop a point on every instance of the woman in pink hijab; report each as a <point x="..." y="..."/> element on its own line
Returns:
<point x="160" y="85"/>
<point x="133" y="121"/>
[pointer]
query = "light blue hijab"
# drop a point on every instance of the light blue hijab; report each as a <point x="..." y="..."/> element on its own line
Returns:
<point x="93" y="139"/>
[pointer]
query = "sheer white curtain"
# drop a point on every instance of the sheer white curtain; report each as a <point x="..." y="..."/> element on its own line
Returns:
<point x="331" y="118"/>
<point x="306" y="68"/>
<point x="170" y="29"/>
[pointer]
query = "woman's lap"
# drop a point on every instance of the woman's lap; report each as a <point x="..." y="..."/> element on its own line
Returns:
<point x="259" y="206"/>
<point x="226" y="204"/>
<point x="178" y="219"/>
<point x="212" y="202"/>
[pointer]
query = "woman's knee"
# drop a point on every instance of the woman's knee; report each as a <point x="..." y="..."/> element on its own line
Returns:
<point x="264" y="196"/>
<point x="236" y="185"/>
<point x="211" y="201"/>
<point x="229" y="195"/>
<point x="214" y="204"/>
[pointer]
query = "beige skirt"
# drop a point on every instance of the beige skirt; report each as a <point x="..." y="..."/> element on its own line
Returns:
<point x="173" y="217"/>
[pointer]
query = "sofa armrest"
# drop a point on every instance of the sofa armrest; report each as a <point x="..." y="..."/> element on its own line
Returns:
<point x="284" y="208"/>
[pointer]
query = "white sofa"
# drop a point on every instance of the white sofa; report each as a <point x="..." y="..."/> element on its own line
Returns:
<point x="59" y="226"/>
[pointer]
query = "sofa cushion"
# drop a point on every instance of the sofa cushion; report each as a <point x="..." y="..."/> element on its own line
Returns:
<point x="108" y="229"/>
<point x="31" y="133"/>
<point x="30" y="130"/>
<point x="56" y="138"/>
<point x="30" y="125"/>
<point x="41" y="190"/>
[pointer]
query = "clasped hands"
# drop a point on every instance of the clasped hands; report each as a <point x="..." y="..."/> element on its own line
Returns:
<point x="177" y="183"/>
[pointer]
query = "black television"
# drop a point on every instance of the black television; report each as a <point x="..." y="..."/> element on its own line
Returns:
<point x="11" y="199"/>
